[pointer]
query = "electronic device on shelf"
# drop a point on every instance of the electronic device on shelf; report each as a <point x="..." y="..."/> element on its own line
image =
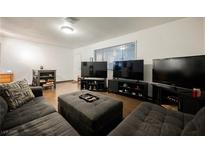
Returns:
<point x="88" y="97"/>
<point x="132" y="69"/>
<point x="140" y="95"/>
<point x="120" y="91"/>
<point x="173" y="99"/>
<point x="133" y="93"/>
<point x="94" y="69"/>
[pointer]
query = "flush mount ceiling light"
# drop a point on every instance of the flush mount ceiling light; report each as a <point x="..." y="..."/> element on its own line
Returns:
<point x="67" y="27"/>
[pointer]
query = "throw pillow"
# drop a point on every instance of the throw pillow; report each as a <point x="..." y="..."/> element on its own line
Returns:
<point x="26" y="90"/>
<point x="17" y="93"/>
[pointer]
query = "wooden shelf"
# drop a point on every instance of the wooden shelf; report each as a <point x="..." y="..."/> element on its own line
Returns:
<point x="44" y="78"/>
<point x="6" y="77"/>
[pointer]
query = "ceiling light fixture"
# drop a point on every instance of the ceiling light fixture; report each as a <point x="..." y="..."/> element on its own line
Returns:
<point x="67" y="29"/>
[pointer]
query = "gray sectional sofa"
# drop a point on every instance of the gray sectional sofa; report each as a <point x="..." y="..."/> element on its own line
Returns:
<point x="154" y="120"/>
<point x="39" y="118"/>
<point x="36" y="117"/>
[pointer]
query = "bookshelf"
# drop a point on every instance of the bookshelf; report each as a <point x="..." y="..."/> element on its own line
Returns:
<point x="44" y="78"/>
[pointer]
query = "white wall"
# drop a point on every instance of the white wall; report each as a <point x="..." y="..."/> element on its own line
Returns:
<point x="22" y="56"/>
<point x="1" y="40"/>
<point x="183" y="37"/>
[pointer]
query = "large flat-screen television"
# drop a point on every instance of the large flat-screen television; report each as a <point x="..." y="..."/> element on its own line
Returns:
<point x="94" y="69"/>
<point x="187" y="72"/>
<point x="132" y="69"/>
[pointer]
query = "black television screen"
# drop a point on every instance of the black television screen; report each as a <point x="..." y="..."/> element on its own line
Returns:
<point x="133" y="69"/>
<point x="187" y="72"/>
<point x="94" y="69"/>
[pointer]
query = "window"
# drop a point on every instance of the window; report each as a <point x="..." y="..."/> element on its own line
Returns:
<point x="116" y="53"/>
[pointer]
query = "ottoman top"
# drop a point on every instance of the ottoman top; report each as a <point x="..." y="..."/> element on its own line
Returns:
<point x="91" y="110"/>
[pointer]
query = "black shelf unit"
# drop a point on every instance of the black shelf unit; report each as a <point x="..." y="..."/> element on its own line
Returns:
<point x="132" y="88"/>
<point x="93" y="84"/>
<point x="181" y="97"/>
<point x="44" y="78"/>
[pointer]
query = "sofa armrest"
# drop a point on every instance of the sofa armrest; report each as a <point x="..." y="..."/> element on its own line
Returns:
<point x="37" y="91"/>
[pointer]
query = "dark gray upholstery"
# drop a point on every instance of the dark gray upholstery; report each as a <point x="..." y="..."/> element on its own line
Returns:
<point x="196" y="126"/>
<point x="28" y="112"/>
<point x="150" y="119"/>
<point x="97" y="118"/>
<point x="49" y="125"/>
<point x="3" y="111"/>
<point x="37" y="91"/>
<point x="36" y="117"/>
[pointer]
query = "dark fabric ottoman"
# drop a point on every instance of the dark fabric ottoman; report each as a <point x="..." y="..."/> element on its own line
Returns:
<point x="97" y="118"/>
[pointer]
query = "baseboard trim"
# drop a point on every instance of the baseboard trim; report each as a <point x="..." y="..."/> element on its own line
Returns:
<point x="64" y="81"/>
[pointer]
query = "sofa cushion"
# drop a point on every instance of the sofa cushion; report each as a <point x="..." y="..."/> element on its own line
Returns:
<point x="17" y="93"/>
<point x="50" y="125"/>
<point x="3" y="110"/>
<point x="196" y="126"/>
<point x="29" y="111"/>
<point x="150" y="119"/>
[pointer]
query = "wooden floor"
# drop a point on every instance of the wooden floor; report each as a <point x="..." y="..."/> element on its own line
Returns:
<point x="67" y="87"/>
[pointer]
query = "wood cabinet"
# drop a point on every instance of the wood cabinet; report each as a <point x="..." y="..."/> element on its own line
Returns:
<point x="6" y="77"/>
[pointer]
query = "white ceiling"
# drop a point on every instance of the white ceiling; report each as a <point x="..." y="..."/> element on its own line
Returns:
<point x="87" y="30"/>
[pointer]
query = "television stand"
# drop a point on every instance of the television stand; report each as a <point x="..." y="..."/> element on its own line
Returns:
<point x="181" y="97"/>
<point x="93" y="84"/>
<point x="132" y="88"/>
